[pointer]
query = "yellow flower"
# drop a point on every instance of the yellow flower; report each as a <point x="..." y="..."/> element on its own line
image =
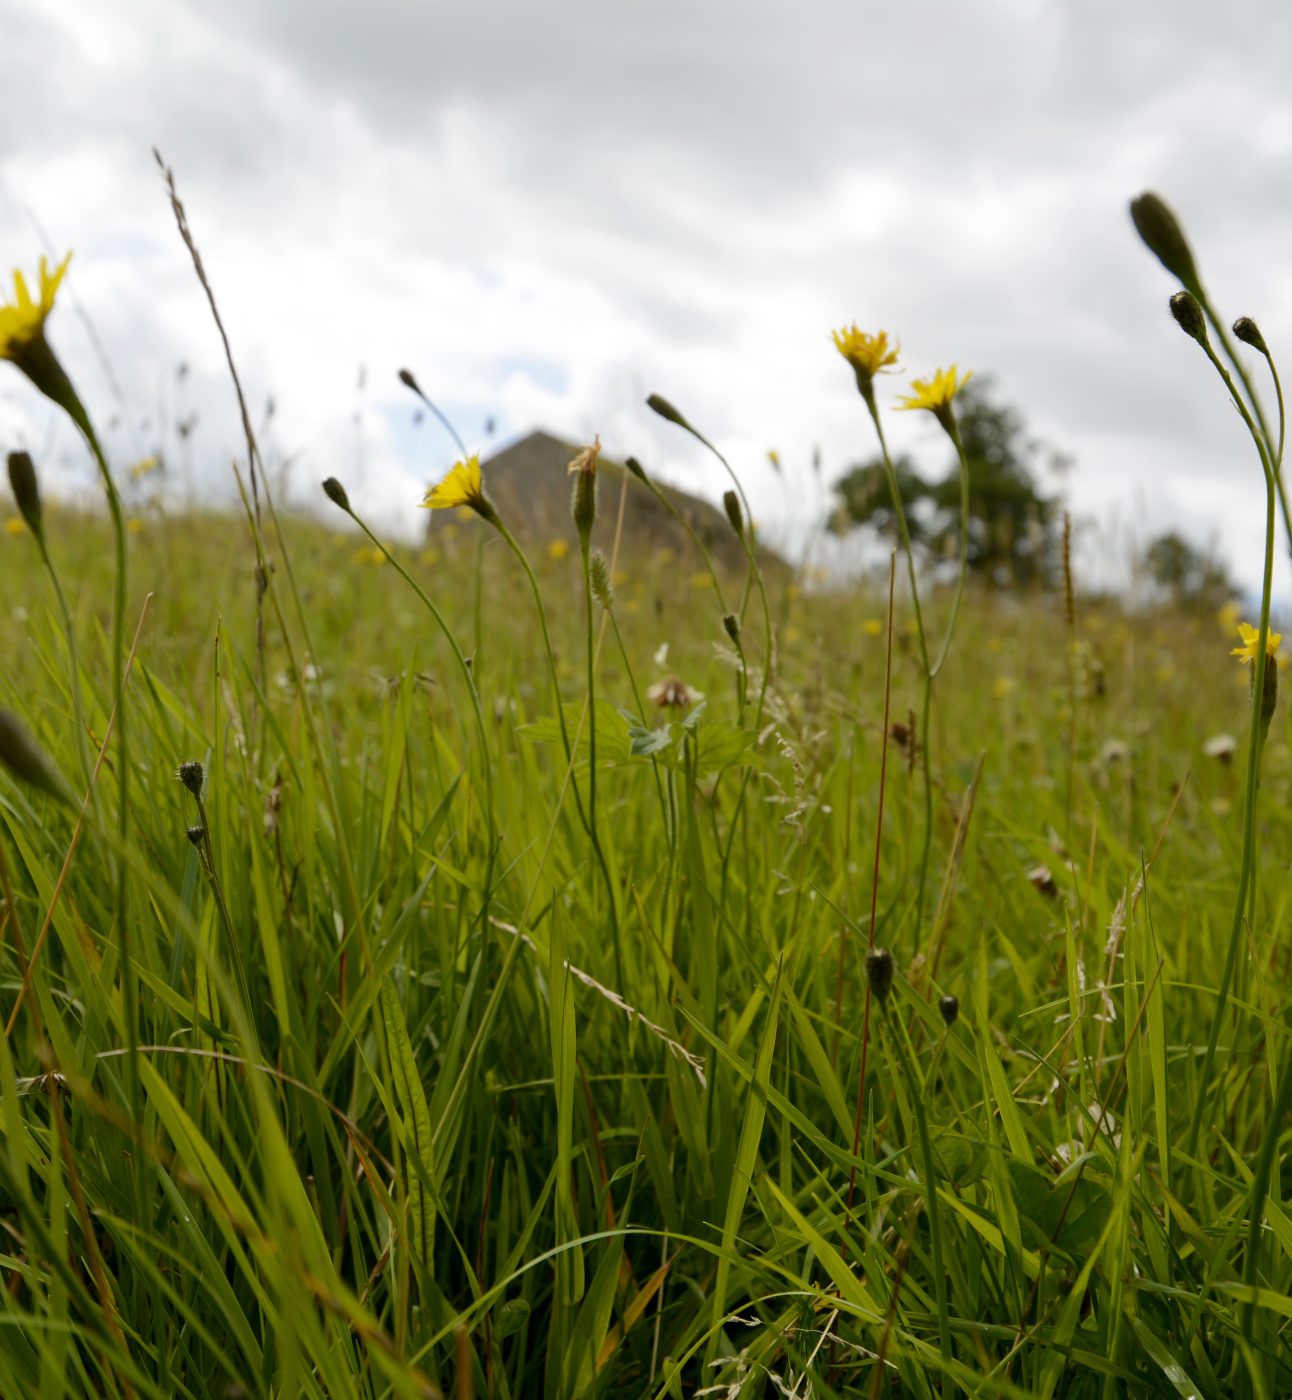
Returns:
<point x="465" y="512"/>
<point x="14" y="525"/>
<point x="1228" y="616"/>
<point x="369" y="554"/>
<point x="873" y="627"/>
<point x="463" y="486"/>
<point x="558" y="549"/>
<point x="429" y="557"/>
<point x="22" y="326"/>
<point x="142" y="468"/>
<point x="936" y="393"/>
<point x="1251" y="636"/>
<point x="1002" y="687"/>
<point x="867" y="354"/>
<point x="701" y="580"/>
<point x="134" y="525"/>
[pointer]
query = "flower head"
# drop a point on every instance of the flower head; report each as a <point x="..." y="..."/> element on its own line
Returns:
<point x="671" y="693"/>
<point x="23" y="324"/>
<point x="1251" y="637"/>
<point x="867" y="354"/>
<point x="463" y="486"/>
<point x="936" y="393"/>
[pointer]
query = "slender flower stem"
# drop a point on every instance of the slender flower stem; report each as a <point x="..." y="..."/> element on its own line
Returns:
<point x="463" y="666"/>
<point x="890" y="471"/>
<point x="1252" y="781"/>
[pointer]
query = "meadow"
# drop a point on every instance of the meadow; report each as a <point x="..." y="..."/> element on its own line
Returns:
<point x="491" y="970"/>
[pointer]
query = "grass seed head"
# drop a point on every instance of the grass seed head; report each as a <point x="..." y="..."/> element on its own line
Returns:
<point x="602" y="588"/>
<point x="196" y="834"/>
<point x="949" y="1007"/>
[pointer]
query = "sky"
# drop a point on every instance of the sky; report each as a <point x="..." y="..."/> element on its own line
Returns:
<point x="548" y="212"/>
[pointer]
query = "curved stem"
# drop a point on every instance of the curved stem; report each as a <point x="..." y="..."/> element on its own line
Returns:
<point x="1254" y="747"/>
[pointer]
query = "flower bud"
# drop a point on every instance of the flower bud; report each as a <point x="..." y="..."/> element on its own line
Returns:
<point x="335" y="493"/>
<point x="406" y="378"/>
<point x="1188" y="316"/>
<point x="584" y="506"/>
<point x="1250" y="334"/>
<point x="196" y="835"/>
<point x="636" y="468"/>
<point x="25" y="759"/>
<point x="879" y="972"/>
<point x="1164" y="238"/>
<point x="731" y="504"/>
<point x="1269" y="691"/>
<point x="949" y="1006"/>
<point x="26" y="493"/>
<point x="732" y="623"/>
<point x="658" y="404"/>
<point x="190" y="774"/>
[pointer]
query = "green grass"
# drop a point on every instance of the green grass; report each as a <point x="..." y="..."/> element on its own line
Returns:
<point x="401" y="1126"/>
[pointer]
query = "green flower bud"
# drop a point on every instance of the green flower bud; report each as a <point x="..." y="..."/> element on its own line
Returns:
<point x="1164" y="238"/>
<point x="1188" y="316"/>
<point x="26" y="492"/>
<point x="335" y="493"/>
<point x="25" y="759"/>
<point x="190" y="774"/>
<point x="1250" y="334"/>
<point x="731" y="504"/>
<point x="879" y="972"/>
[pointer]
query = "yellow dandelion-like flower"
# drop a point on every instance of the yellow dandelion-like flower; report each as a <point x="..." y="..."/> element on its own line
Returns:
<point x="873" y="627"/>
<point x="145" y="467"/>
<point x="134" y="525"/>
<point x="558" y="549"/>
<point x="22" y="325"/>
<point x="1251" y="637"/>
<point x="936" y="393"/>
<point x="465" y="512"/>
<point x="429" y="557"/>
<point x="14" y="526"/>
<point x="867" y="354"/>
<point x="1229" y="617"/>
<point x="463" y="486"/>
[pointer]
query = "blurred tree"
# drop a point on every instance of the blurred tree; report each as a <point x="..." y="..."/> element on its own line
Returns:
<point x="1014" y="535"/>
<point x="1192" y="577"/>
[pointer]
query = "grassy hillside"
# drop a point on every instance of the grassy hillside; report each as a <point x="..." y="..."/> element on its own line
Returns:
<point x="383" y="1055"/>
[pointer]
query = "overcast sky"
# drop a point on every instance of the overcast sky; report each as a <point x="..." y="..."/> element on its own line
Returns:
<point x="550" y="210"/>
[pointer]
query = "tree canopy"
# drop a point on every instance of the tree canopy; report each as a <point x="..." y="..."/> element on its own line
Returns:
<point x="1014" y="534"/>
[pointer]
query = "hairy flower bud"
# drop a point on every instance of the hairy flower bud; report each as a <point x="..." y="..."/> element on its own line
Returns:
<point x="1160" y="230"/>
<point x="190" y="774"/>
<point x="584" y="505"/>
<point x="26" y="492"/>
<point x="1188" y="316"/>
<point x="879" y="972"/>
<point x="1250" y="334"/>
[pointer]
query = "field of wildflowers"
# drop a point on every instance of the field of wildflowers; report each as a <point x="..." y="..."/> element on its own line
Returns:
<point x="451" y="972"/>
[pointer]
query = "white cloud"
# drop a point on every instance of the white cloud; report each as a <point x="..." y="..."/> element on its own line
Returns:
<point x="548" y="212"/>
